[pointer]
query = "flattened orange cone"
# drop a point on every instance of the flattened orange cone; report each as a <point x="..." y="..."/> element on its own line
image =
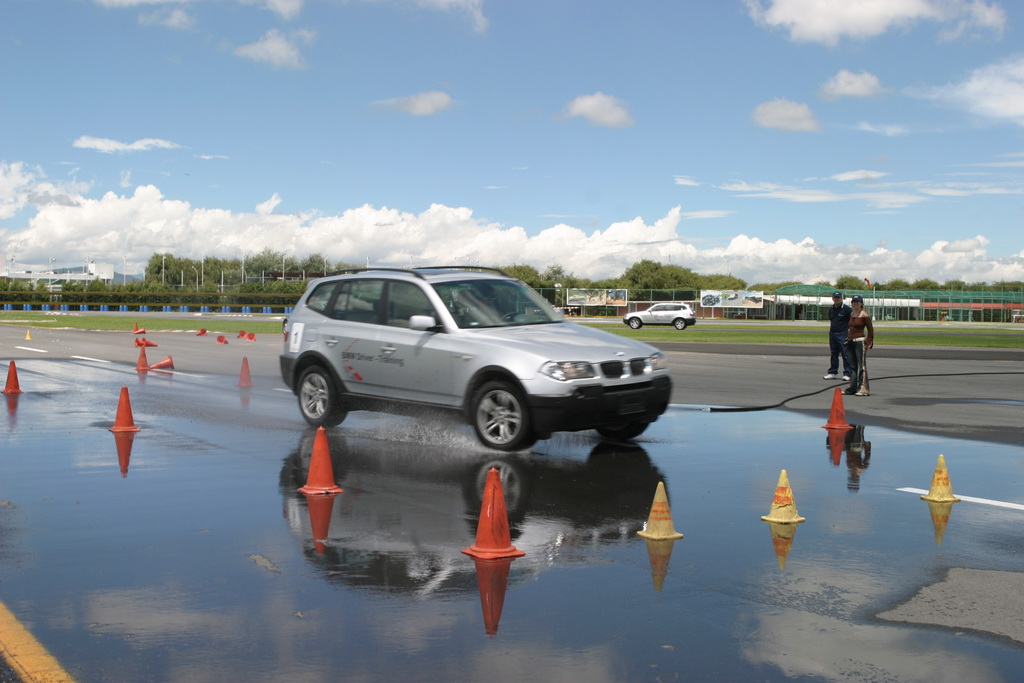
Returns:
<point x="123" y="441"/>
<point x="493" y="540"/>
<point x="783" y="509"/>
<point x="251" y="336"/>
<point x="941" y="490"/>
<point x="124" y="421"/>
<point x="143" y="364"/>
<point x="139" y="330"/>
<point x="837" y="418"/>
<point x="492" y="580"/>
<point x="146" y="342"/>
<point x="222" y="340"/>
<point x="165" y="364"/>
<point x="241" y="334"/>
<point x="12" y="387"/>
<point x="320" y="480"/>
<point x="201" y="332"/>
<point x="244" y="378"/>
<point x="659" y="521"/>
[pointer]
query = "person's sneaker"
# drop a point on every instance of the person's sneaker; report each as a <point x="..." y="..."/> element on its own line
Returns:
<point x="846" y="378"/>
<point x="848" y="392"/>
<point x="862" y="393"/>
<point x="832" y="375"/>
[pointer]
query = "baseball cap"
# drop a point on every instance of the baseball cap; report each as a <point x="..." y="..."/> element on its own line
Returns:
<point x="837" y="295"/>
<point x="858" y="298"/>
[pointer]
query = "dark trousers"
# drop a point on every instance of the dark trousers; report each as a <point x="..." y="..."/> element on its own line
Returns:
<point x="859" y="361"/>
<point x="837" y="348"/>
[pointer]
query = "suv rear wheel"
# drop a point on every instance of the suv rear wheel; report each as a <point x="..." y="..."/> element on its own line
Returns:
<point x="680" y="323"/>
<point x="318" y="398"/>
<point x="500" y="417"/>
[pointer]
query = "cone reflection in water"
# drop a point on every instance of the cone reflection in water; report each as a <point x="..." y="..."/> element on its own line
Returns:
<point x="12" y="386"/>
<point x="782" y="539"/>
<point x="837" y="418"/>
<point x="124" y="421"/>
<point x="940" y="513"/>
<point x="659" y="521"/>
<point x="941" y="490"/>
<point x="836" y="444"/>
<point x="659" y="552"/>
<point x="320" y="509"/>
<point x="124" y="441"/>
<point x="320" y="480"/>
<point x="492" y="579"/>
<point x="493" y="540"/>
<point x="783" y="510"/>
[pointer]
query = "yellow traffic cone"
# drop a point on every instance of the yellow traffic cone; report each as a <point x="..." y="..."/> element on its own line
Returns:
<point x="783" y="509"/>
<point x="659" y="522"/>
<point x="941" y="491"/>
<point x="28" y="335"/>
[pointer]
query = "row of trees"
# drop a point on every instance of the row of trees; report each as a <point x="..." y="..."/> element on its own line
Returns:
<point x="261" y="274"/>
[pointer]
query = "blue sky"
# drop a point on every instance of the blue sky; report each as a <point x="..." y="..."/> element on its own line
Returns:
<point x="770" y="139"/>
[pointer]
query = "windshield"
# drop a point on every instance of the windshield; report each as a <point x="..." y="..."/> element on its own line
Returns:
<point x="495" y="303"/>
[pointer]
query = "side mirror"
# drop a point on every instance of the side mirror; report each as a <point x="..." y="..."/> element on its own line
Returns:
<point x="423" y="323"/>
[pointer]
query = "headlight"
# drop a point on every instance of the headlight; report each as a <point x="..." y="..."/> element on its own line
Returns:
<point x="656" y="362"/>
<point x="567" y="370"/>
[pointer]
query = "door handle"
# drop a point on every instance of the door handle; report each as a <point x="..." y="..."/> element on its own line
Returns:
<point x="330" y="341"/>
<point x="388" y="350"/>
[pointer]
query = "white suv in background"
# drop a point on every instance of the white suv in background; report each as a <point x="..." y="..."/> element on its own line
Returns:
<point x="679" y="315"/>
<point x="476" y="341"/>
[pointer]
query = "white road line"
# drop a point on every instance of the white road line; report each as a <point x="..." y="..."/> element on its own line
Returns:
<point x="95" y="360"/>
<point x="969" y="499"/>
<point x="29" y="348"/>
<point x="287" y="391"/>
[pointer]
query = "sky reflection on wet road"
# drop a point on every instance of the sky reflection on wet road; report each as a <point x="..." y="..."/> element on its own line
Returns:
<point x="190" y="556"/>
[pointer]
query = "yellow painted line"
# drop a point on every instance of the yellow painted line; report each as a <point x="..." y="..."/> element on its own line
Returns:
<point x="25" y="655"/>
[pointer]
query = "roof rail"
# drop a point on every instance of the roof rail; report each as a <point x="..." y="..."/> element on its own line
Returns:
<point x="413" y="271"/>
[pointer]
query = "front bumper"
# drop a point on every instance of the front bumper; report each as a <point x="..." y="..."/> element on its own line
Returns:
<point x="595" y="406"/>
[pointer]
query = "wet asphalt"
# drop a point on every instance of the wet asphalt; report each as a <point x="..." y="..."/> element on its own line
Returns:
<point x="188" y="556"/>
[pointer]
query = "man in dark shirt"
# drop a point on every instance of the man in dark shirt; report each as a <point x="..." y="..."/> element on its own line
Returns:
<point x="839" y="318"/>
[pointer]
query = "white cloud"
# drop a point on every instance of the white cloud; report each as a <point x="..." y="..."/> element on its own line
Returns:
<point x="708" y="213"/>
<point x="785" y="114"/>
<point x="995" y="91"/>
<point x="108" y="146"/>
<point x="286" y="9"/>
<point x="829" y="21"/>
<point x="277" y="49"/>
<point x="600" y="110"/>
<point x="473" y="8"/>
<point x="685" y="180"/>
<point x="859" y="175"/>
<point x="70" y="225"/>
<point x="890" y="130"/>
<point x="421" y="104"/>
<point x="848" y="84"/>
<point x="176" y="18"/>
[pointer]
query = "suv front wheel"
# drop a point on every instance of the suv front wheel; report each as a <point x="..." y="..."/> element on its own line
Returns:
<point x="500" y="417"/>
<point x="318" y="398"/>
<point x="636" y="323"/>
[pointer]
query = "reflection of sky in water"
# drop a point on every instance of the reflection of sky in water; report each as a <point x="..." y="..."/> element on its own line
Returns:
<point x="151" y="576"/>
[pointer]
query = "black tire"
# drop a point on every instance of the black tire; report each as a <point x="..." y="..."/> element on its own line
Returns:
<point x="636" y="323"/>
<point x="623" y="431"/>
<point x="500" y="417"/>
<point x="679" y="323"/>
<point x="319" y="398"/>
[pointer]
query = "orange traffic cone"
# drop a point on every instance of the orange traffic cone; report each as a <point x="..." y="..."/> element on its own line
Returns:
<point x="320" y="480"/>
<point x="201" y="333"/>
<point x="493" y="540"/>
<point x="244" y="379"/>
<point x="241" y="334"/>
<point x="124" y="421"/>
<point x="143" y="364"/>
<point x="837" y="419"/>
<point x="492" y="580"/>
<point x="783" y="510"/>
<point x="222" y="340"/>
<point x="941" y="491"/>
<point x="139" y="330"/>
<point x="146" y="342"/>
<point x="659" y="522"/>
<point x="165" y="364"/>
<point x="12" y="387"/>
<point x="251" y="336"/>
<point x="123" y="441"/>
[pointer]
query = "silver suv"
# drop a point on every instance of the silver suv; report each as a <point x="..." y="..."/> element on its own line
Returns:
<point x="679" y="315"/>
<point x="476" y="341"/>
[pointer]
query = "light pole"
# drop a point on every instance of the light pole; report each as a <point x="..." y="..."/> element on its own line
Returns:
<point x="197" y="277"/>
<point x="163" y="267"/>
<point x="124" y="272"/>
<point x="51" y="273"/>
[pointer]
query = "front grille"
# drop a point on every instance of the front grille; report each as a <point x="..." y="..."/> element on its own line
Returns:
<point x="615" y="369"/>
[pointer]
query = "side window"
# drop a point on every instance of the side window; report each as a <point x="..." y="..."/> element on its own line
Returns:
<point x="321" y="296"/>
<point x="404" y="301"/>
<point x="359" y="301"/>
